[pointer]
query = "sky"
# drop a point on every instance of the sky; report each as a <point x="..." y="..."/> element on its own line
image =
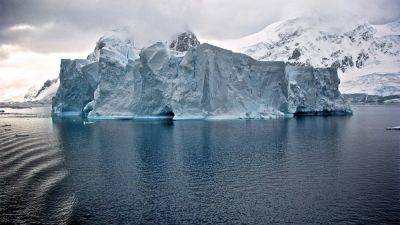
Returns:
<point x="36" y="34"/>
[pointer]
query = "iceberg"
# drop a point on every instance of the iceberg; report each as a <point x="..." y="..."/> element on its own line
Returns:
<point x="202" y="82"/>
<point x="393" y="128"/>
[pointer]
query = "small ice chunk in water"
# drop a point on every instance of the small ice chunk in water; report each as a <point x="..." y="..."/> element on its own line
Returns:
<point x="393" y="128"/>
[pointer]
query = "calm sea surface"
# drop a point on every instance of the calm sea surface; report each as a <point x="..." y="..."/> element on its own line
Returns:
<point x="304" y="170"/>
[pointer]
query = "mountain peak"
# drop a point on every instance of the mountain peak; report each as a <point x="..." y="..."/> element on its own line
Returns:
<point x="184" y="41"/>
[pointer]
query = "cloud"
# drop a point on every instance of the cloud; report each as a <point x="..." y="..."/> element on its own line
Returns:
<point x="71" y="25"/>
<point x="24" y="69"/>
<point x="55" y="26"/>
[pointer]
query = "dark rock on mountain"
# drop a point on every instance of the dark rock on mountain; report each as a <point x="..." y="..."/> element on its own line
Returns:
<point x="184" y="42"/>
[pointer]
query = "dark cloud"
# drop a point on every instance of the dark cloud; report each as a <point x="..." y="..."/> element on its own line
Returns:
<point x="56" y="26"/>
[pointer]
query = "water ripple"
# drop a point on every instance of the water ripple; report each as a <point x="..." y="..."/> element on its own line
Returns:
<point x="31" y="174"/>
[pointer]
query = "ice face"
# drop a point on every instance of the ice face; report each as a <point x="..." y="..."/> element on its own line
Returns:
<point x="215" y="82"/>
<point x="78" y="80"/>
<point x="207" y="82"/>
<point x="314" y="90"/>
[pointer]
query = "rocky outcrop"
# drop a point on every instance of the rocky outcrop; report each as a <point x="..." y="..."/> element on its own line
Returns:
<point x="184" y="42"/>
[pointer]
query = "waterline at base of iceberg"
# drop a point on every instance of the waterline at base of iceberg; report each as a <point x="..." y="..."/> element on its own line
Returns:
<point x="199" y="117"/>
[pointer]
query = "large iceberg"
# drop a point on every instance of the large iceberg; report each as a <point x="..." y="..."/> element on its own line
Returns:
<point x="202" y="82"/>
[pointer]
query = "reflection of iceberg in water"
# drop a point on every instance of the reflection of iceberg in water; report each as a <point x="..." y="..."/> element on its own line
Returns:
<point x="172" y="171"/>
<point x="165" y="167"/>
<point x="120" y="159"/>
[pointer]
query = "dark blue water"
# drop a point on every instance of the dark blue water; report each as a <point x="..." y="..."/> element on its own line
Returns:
<point x="304" y="170"/>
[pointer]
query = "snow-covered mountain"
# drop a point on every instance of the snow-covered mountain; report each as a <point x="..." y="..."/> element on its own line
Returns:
<point x="356" y="50"/>
<point x="374" y="84"/>
<point x="44" y="93"/>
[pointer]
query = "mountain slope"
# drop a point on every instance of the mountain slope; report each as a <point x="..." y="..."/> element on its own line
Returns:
<point x="374" y="84"/>
<point x="356" y="50"/>
<point x="42" y="94"/>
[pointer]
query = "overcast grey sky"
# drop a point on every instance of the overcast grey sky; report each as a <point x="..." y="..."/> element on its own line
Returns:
<point x="73" y="25"/>
<point x="53" y="29"/>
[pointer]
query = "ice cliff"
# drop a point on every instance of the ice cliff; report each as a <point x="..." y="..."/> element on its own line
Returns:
<point x="202" y="81"/>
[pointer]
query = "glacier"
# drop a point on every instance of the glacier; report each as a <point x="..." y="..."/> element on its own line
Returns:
<point x="192" y="81"/>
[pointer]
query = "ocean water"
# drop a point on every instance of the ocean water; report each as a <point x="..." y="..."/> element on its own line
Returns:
<point x="303" y="170"/>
